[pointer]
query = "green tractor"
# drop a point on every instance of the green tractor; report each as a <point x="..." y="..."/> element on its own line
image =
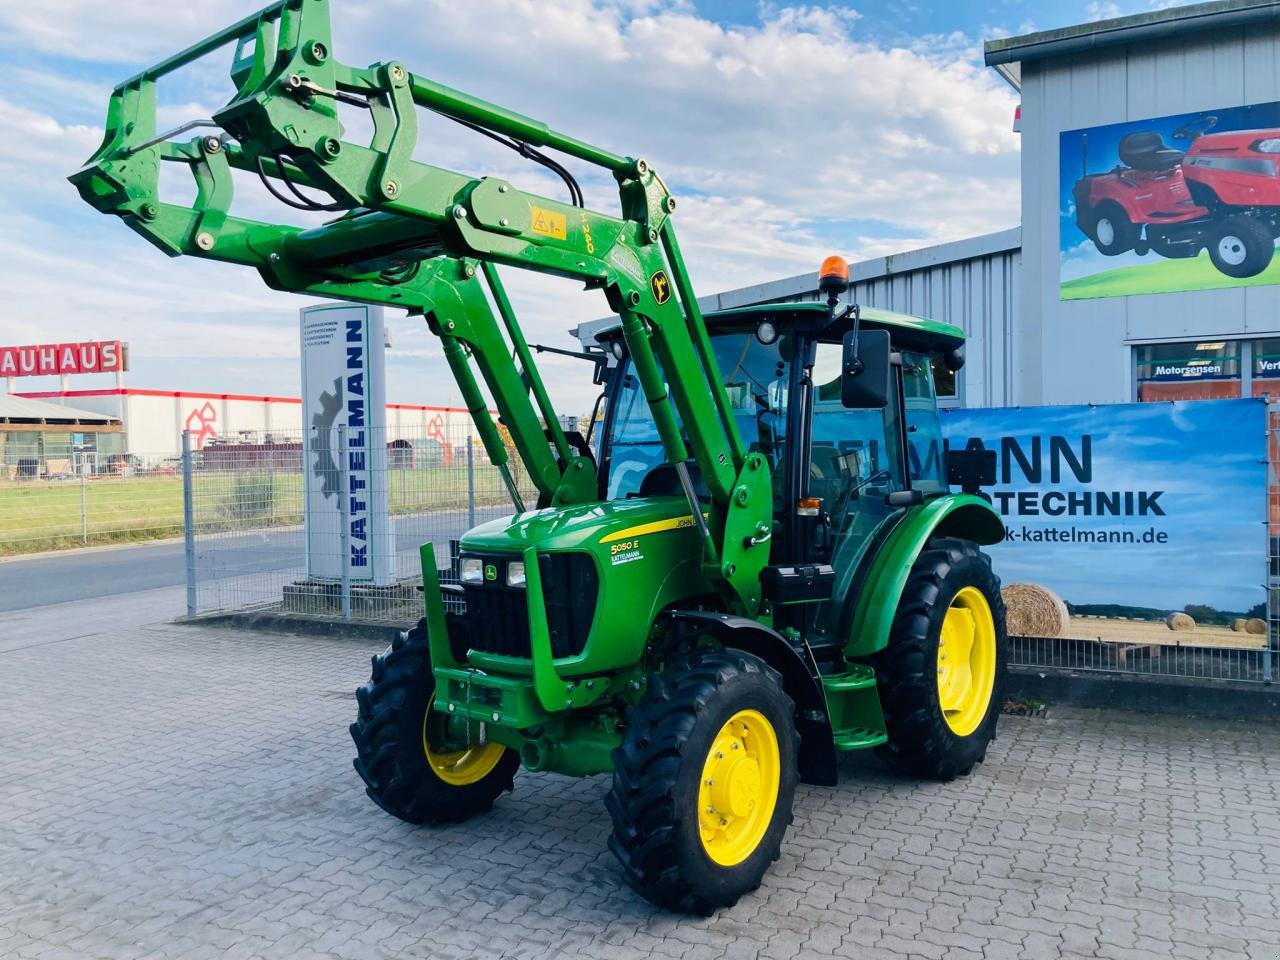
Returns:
<point x="755" y="563"/>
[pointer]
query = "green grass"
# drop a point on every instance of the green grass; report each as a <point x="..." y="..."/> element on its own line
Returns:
<point x="40" y="515"/>
<point x="1162" y="276"/>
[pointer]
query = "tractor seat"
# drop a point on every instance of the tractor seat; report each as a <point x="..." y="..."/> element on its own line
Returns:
<point x="663" y="481"/>
<point x="1147" y="151"/>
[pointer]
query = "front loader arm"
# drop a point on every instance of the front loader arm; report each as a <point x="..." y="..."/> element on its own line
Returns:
<point x="415" y="236"/>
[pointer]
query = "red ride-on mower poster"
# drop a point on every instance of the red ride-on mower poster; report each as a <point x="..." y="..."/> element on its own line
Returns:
<point x="1188" y="202"/>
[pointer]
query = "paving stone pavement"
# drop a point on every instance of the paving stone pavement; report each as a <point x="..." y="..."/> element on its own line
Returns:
<point x="185" y="792"/>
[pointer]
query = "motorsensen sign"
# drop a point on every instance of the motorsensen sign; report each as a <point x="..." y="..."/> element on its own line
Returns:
<point x="53" y="359"/>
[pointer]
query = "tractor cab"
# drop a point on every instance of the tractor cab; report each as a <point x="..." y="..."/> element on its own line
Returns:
<point x="842" y="475"/>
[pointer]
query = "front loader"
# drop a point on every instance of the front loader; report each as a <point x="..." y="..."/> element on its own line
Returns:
<point x="758" y="564"/>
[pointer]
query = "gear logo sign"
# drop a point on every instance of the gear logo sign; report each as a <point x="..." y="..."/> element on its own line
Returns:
<point x="325" y="468"/>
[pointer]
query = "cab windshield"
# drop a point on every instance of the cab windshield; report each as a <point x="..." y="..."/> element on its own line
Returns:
<point x="756" y="377"/>
<point x="850" y="450"/>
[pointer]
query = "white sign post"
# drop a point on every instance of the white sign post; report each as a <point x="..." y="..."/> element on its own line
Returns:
<point x="343" y="385"/>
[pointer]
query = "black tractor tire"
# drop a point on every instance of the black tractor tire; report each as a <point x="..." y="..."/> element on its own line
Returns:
<point x="390" y="742"/>
<point x="1111" y="230"/>
<point x="657" y="796"/>
<point x="922" y="742"/>
<point x="1241" y="246"/>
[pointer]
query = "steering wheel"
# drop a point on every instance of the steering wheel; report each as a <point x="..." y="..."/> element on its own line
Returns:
<point x="1195" y="128"/>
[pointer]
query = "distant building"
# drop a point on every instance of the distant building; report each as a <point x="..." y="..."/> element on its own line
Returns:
<point x="38" y="438"/>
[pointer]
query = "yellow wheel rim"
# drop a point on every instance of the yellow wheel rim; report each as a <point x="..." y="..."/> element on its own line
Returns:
<point x="739" y="788"/>
<point x="966" y="661"/>
<point x="457" y="768"/>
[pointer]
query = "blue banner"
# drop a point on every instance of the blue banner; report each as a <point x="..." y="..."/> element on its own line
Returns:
<point x="1131" y="512"/>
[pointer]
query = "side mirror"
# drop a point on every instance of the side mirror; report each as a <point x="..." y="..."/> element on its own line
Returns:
<point x="971" y="468"/>
<point x="864" y="370"/>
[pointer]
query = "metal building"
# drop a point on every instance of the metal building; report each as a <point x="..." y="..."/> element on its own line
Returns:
<point x="1157" y="74"/>
<point x="1052" y="319"/>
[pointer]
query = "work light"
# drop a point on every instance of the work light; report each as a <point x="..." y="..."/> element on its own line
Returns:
<point x="515" y="573"/>
<point x="471" y="570"/>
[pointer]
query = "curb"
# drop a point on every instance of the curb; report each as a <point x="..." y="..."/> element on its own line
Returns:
<point x="297" y="623"/>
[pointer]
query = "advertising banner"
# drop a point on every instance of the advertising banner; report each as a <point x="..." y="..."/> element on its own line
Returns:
<point x="1186" y="202"/>
<point x="343" y="384"/>
<point x="1139" y="522"/>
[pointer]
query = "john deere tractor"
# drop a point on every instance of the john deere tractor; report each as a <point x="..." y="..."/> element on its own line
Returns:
<point x="755" y="562"/>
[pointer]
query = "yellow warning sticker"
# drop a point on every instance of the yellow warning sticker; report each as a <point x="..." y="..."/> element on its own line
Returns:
<point x="548" y="223"/>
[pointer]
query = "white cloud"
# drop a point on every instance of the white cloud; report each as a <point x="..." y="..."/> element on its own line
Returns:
<point x="784" y="142"/>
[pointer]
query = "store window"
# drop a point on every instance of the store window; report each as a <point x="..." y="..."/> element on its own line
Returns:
<point x="1208" y="370"/>
<point x="1266" y="368"/>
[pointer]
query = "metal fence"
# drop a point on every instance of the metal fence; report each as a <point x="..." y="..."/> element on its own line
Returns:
<point x="251" y="550"/>
<point x="248" y="545"/>
<point x="251" y="546"/>
<point x="60" y="503"/>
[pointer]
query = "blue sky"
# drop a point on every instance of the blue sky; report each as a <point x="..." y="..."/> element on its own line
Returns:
<point x="788" y="131"/>
<point x="1207" y="458"/>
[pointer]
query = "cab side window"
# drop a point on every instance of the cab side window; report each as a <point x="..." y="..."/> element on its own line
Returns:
<point x="924" y="434"/>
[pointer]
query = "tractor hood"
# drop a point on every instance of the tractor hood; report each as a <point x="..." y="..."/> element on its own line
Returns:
<point x="586" y="525"/>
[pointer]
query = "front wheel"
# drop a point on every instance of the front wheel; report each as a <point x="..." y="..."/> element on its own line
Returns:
<point x="418" y="763"/>
<point x="941" y="673"/>
<point x="1241" y="247"/>
<point x="703" y="781"/>
<point x="1111" y="230"/>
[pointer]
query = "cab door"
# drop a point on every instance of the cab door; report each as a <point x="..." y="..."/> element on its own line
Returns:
<point x="855" y="462"/>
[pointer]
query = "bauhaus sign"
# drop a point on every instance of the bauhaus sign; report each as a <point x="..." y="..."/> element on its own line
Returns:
<point x="53" y="359"/>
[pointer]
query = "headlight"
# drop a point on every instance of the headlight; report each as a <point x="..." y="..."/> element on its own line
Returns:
<point x="471" y="570"/>
<point x="515" y="573"/>
<point x="1269" y="145"/>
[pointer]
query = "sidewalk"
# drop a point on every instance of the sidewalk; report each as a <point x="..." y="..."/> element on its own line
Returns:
<point x="179" y="791"/>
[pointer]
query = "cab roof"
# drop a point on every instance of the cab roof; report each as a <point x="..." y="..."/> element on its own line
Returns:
<point x="918" y="333"/>
<point x="905" y="330"/>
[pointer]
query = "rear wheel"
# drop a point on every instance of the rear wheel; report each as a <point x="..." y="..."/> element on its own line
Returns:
<point x="418" y="763"/>
<point x="1111" y="230"/>
<point x="1241" y="246"/>
<point x="703" y="781"/>
<point x="940" y="675"/>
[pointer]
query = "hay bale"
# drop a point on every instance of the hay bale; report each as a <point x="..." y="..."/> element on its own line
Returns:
<point x="1257" y="626"/>
<point x="1239" y="624"/>
<point x="1180" y="622"/>
<point x="1034" y="611"/>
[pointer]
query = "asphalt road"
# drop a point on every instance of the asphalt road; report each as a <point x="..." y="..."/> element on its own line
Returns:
<point x="27" y="582"/>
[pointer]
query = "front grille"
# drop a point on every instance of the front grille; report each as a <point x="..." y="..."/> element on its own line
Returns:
<point x="497" y="620"/>
<point x="497" y="616"/>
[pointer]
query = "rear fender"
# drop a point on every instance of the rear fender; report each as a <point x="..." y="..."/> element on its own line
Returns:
<point x="954" y="515"/>
<point x="817" y="759"/>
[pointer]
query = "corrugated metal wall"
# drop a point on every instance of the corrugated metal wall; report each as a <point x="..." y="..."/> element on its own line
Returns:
<point x="1080" y="351"/>
<point x="972" y="284"/>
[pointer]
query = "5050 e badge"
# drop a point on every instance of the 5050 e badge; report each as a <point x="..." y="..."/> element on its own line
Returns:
<point x="624" y="552"/>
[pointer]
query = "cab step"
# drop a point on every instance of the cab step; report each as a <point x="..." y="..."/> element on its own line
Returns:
<point x="853" y="703"/>
<point x="857" y="738"/>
